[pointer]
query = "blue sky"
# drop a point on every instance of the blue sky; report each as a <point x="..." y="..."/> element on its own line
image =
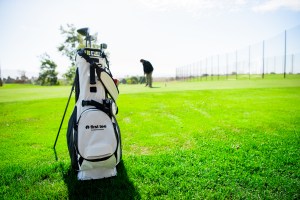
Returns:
<point x="168" y="33"/>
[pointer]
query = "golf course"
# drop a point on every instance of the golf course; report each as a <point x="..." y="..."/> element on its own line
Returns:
<point x="197" y="139"/>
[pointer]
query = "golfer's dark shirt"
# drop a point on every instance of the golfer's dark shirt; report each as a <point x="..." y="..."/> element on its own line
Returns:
<point x="147" y="67"/>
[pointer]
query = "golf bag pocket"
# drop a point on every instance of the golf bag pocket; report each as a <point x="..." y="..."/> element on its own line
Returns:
<point x="108" y="83"/>
<point x="97" y="139"/>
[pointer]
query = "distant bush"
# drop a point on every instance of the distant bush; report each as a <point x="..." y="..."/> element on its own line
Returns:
<point x="123" y="81"/>
<point x="133" y="80"/>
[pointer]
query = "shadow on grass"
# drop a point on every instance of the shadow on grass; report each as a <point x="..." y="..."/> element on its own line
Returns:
<point x="119" y="187"/>
<point x="154" y="87"/>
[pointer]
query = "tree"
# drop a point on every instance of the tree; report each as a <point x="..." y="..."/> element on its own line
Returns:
<point x="47" y="75"/>
<point x="132" y="80"/>
<point x="10" y="80"/>
<point x="23" y="75"/>
<point x="72" y="41"/>
<point x="23" y="78"/>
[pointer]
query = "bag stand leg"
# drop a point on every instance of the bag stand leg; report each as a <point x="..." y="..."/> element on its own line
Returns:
<point x="62" y="120"/>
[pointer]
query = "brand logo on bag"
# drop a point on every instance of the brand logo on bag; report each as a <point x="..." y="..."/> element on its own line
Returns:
<point x="95" y="127"/>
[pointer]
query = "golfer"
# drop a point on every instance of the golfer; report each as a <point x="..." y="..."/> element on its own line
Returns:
<point x="148" y="69"/>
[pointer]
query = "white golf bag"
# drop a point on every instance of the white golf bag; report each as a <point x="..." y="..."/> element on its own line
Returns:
<point x="93" y="136"/>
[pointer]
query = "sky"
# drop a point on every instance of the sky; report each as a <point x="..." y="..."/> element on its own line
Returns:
<point x="168" y="33"/>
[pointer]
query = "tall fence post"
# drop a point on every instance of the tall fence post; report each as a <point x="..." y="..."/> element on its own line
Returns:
<point x="236" y="65"/>
<point x="218" y="67"/>
<point x="206" y="68"/>
<point x="292" y="70"/>
<point x="226" y="66"/>
<point x="249" y="62"/>
<point x="284" y="73"/>
<point x="201" y="70"/>
<point x="212" y="68"/>
<point x="263" y="59"/>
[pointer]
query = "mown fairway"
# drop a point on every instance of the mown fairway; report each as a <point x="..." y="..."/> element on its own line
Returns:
<point x="181" y="140"/>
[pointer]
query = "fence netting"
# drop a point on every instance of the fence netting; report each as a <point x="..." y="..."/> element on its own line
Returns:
<point x="277" y="55"/>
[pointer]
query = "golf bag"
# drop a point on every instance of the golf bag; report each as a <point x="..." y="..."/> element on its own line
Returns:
<point x="93" y="135"/>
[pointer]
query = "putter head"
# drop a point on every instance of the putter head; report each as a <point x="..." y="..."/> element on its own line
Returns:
<point x="84" y="31"/>
<point x="103" y="46"/>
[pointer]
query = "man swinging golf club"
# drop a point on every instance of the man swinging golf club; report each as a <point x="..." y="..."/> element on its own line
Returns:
<point x="148" y="69"/>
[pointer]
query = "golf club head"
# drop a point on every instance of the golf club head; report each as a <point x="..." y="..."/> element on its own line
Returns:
<point x="103" y="46"/>
<point x="84" y="31"/>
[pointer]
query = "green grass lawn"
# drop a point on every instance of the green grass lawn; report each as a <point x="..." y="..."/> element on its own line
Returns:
<point x="181" y="140"/>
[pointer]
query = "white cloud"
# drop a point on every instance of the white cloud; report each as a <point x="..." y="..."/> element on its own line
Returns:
<point x="273" y="5"/>
<point x="196" y="7"/>
<point x="217" y="7"/>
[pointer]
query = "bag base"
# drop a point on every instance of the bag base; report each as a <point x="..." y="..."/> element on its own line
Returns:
<point x="96" y="173"/>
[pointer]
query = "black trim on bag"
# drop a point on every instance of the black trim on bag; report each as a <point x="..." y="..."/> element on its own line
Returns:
<point x="92" y="74"/>
<point x="80" y="160"/>
<point x="119" y="135"/>
<point x="77" y="86"/>
<point x="103" y="107"/>
<point x="93" y="89"/>
<point x="98" y="159"/>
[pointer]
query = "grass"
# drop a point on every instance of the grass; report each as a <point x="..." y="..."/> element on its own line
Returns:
<point x="192" y="140"/>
